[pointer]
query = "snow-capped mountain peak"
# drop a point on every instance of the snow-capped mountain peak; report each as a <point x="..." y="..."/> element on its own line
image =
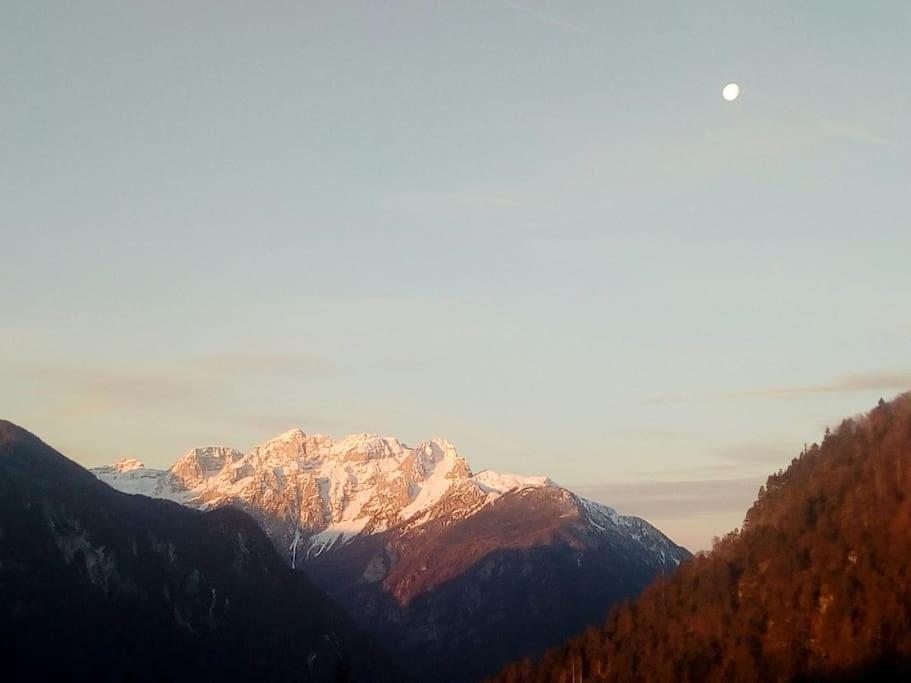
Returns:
<point x="199" y="465"/>
<point x="502" y="483"/>
<point x="313" y="493"/>
<point x="308" y="486"/>
<point x="421" y="549"/>
<point x="127" y="464"/>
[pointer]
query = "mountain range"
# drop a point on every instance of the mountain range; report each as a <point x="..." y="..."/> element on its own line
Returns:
<point x="454" y="572"/>
<point x="309" y="559"/>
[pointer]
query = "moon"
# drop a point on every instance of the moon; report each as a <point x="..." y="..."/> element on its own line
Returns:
<point x="730" y="92"/>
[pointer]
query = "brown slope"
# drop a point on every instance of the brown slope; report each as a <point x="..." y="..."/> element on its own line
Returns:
<point x="816" y="586"/>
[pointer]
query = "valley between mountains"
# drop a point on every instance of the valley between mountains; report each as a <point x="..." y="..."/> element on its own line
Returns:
<point x="367" y="560"/>
<point x="455" y="573"/>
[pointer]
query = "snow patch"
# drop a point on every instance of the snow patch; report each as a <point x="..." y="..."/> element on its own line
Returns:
<point x="494" y="482"/>
<point x="334" y="534"/>
<point x="127" y="464"/>
<point x="432" y="489"/>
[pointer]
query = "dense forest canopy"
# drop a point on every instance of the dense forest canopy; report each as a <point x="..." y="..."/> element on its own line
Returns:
<point x="814" y="586"/>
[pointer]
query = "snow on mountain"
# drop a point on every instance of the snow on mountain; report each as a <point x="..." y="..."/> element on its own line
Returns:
<point x="312" y="493"/>
<point x="502" y="483"/>
<point x="131" y="476"/>
<point x="127" y="464"/>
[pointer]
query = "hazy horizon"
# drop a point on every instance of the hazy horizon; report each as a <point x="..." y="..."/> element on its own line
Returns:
<point x="534" y="229"/>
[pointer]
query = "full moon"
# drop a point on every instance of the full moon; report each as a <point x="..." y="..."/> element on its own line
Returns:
<point x="730" y="92"/>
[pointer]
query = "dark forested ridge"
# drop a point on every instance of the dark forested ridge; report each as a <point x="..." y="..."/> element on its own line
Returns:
<point x="815" y="586"/>
<point x="103" y="586"/>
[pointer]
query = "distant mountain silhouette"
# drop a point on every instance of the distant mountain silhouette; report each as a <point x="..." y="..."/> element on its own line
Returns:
<point x="816" y="586"/>
<point x="103" y="586"/>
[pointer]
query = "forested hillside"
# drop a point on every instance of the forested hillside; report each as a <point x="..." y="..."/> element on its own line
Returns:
<point x="97" y="585"/>
<point x="814" y="586"/>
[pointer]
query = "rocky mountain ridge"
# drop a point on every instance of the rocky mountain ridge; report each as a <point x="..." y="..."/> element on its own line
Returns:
<point x="313" y="494"/>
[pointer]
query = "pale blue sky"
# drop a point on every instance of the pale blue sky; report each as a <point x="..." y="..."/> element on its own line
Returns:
<point x="533" y="228"/>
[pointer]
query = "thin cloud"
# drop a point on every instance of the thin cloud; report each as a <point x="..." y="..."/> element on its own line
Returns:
<point x="767" y="454"/>
<point x="268" y="363"/>
<point x="690" y="512"/>
<point x="271" y="425"/>
<point x="869" y="381"/>
<point x="665" y="434"/>
<point x="444" y="203"/>
<point x="885" y="381"/>
<point x="832" y="126"/>
<point x="546" y="18"/>
<point x="685" y="498"/>
<point x="732" y="460"/>
<point x="110" y="386"/>
<point x="184" y="379"/>
<point x="721" y="469"/>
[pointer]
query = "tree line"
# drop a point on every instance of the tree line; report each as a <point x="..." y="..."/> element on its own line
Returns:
<point x="814" y="586"/>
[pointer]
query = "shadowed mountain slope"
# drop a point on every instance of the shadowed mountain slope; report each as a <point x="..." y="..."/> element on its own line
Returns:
<point x="104" y="586"/>
<point x="458" y="600"/>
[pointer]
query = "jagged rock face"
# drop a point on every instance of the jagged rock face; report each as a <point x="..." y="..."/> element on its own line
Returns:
<point x="200" y="464"/>
<point x="312" y="493"/>
<point x="455" y="572"/>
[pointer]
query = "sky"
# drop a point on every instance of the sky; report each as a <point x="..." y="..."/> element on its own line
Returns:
<point x="532" y="228"/>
